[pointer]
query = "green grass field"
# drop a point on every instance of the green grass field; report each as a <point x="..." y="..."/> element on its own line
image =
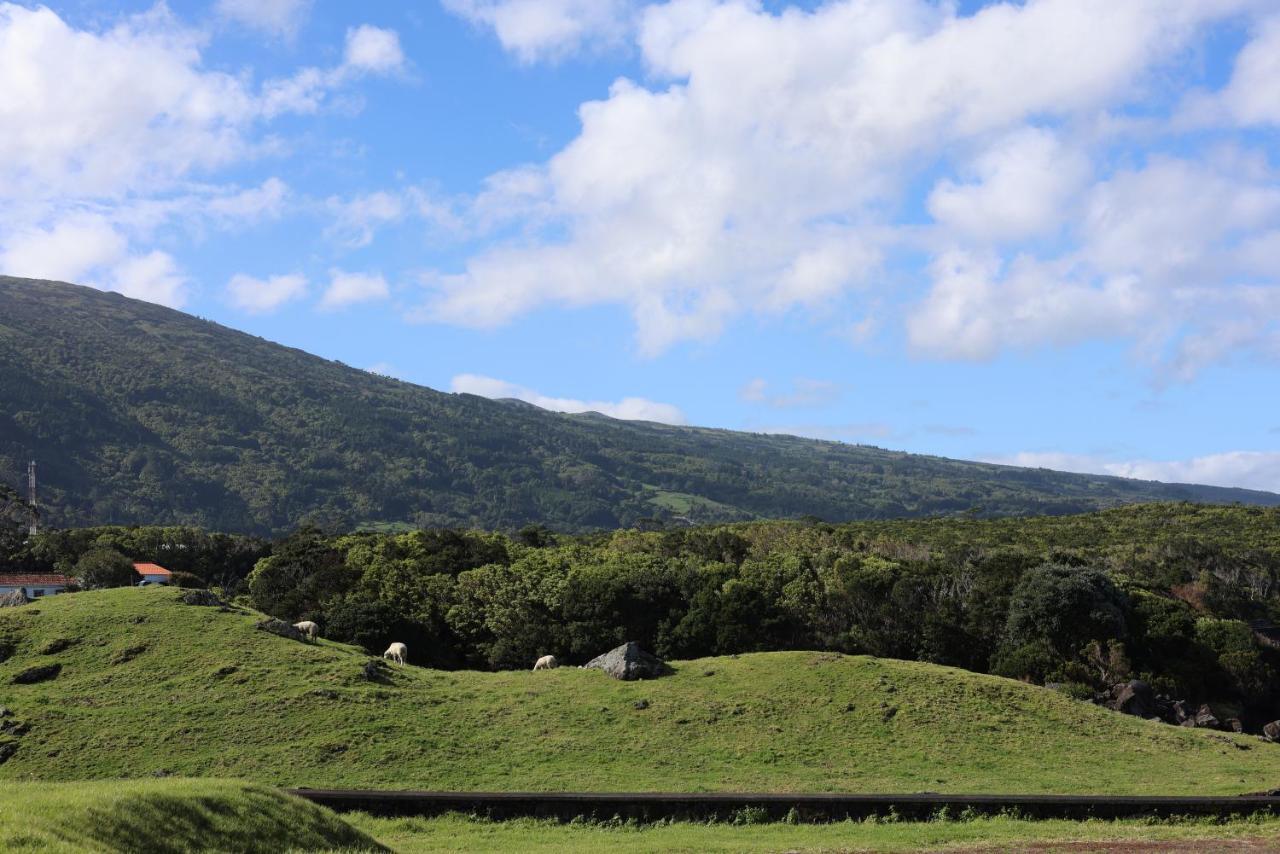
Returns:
<point x="181" y="815"/>
<point x="462" y="834"/>
<point x="149" y="685"/>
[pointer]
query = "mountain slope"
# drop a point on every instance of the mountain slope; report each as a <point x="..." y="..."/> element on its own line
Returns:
<point x="150" y="685"/>
<point x="138" y="413"/>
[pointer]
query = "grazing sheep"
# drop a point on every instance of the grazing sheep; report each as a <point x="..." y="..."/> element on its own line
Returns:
<point x="396" y="652"/>
<point x="308" y="628"/>
<point x="547" y="662"/>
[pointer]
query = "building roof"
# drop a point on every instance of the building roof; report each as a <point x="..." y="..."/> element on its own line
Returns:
<point x="151" y="569"/>
<point x="19" y="580"/>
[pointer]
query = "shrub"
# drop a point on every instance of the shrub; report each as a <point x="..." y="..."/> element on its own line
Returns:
<point x="187" y="580"/>
<point x="105" y="567"/>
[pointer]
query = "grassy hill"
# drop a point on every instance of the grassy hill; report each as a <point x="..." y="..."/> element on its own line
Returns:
<point x="168" y="817"/>
<point x="149" y="686"/>
<point x="141" y="414"/>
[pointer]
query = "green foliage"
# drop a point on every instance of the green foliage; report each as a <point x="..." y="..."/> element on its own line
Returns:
<point x="1055" y="612"/>
<point x="105" y="567"/>
<point x="303" y="572"/>
<point x="140" y="414"/>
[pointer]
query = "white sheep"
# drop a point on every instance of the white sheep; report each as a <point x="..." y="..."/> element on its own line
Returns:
<point x="308" y="628"/>
<point x="547" y="662"/>
<point x="396" y="652"/>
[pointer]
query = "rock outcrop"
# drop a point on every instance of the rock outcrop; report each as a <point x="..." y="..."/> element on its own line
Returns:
<point x="202" y="597"/>
<point x="13" y="598"/>
<point x="281" y="628"/>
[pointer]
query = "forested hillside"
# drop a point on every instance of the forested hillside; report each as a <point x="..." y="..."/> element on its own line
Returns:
<point x="141" y="414"/>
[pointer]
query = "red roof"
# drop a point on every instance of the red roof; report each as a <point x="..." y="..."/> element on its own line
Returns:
<point x="151" y="569"/>
<point x="7" y="580"/>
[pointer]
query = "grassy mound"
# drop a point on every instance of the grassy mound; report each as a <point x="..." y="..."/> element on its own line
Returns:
<point x="150" y="685"/>
<point x="167" y="816"/>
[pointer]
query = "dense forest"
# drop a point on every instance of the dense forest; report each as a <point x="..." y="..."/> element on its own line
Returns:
<point x="139" y="414"/>
<point x="1179" y="595"/>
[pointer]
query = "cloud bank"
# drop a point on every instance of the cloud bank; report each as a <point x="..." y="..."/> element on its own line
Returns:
<point x="966" y="172"/>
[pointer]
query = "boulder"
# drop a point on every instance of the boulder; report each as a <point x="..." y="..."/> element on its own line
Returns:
<point x="13" y="598"/>
<point x="629" y="662"/>
<point x="1271" y="731"/>
<point x="375" y="670"/>
<point x="279" y="627"/>
<point x="1180" y="710"/>
<point x="41" y="673"/>
<point x="1133" y="698"/>
<point x="1206" y="718"/>
<point x="201" y="597"/>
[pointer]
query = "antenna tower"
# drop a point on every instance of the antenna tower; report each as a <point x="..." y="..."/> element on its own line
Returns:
<point x="31" y="498"/>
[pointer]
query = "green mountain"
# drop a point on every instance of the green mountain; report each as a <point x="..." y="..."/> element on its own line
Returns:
<point x="141" y="414"/>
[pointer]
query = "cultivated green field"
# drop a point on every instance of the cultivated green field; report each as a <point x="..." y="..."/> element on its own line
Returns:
<point x="152" y="686"/>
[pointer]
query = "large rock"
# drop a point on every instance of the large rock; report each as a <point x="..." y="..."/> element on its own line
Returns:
<point x="1271" y="731"/>
<point x="202" y="597"/>
<point x="629" y="662"/>
<point x="1134" y="698"/>
<point x="13" y="598"/>
<point x="1206" y="718"/>
<point x="281" y="628"/>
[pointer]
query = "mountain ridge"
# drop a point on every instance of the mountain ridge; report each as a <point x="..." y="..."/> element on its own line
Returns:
<point x="142" y="414"/>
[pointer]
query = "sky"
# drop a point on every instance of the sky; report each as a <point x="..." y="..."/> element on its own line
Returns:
<point x="1044" y="233"/>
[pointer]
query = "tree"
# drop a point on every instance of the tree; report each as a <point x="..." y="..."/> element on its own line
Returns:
<point x="1059" y="609"/>
<point x="188" y="580"/>
<point x="303" y="573"/>
<point x="15" y="518"/>
<point x="100" y="568"/>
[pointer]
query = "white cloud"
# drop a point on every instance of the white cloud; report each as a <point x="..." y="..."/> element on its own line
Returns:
<point x="356" y="220"/>
<point x="280" y="18"/>
<point x="153" y="277"/>
<point x="262" y="202"/>
<point x="98" y="114"/>
<point x="1251" y="96"/>
<point x="347" y="289"/>
<point x="1245" y="469"/>
<point x="87" y="249"/>
<point x="369" y="50"/>
<point x="803" y="393"/>
<point x="1026" y="181"/>
<point x="1172" y="255"/>
<point x="373" y="50"/>
<point x="765" y="165"/>
<point x="628" y="409"/>
<point x="66" y="251"/>
<point x="550" y="29"/>
<point x="258" y="296"/>
<point x="109" y="134"/>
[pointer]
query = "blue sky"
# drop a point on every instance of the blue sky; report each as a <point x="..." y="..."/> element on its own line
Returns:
<point x="1045" y="233"/>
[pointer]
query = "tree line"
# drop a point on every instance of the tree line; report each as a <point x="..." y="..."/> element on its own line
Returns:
<point x="1178" y="595"/>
